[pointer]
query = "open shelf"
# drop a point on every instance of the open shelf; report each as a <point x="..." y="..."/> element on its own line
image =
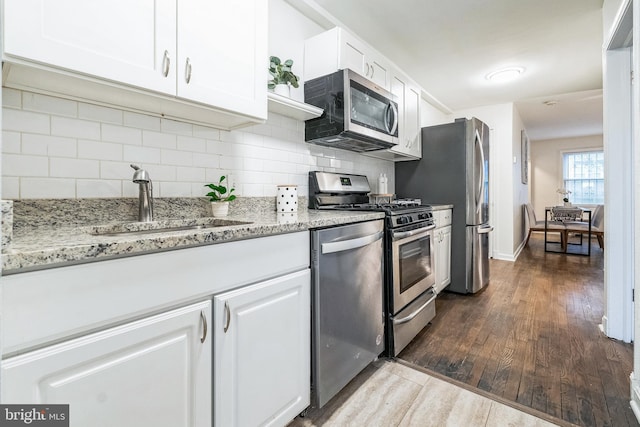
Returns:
<point x="291" y="108"/>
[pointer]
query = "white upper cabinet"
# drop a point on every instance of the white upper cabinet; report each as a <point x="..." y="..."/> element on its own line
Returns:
<point x="407" y="95"/>
<point x="337" y="49"/>
<point x="97" y="38"/>
<point x="169" y="57"/>
<point x="222" y="54"/>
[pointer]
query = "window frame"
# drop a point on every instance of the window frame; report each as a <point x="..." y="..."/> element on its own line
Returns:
<point x="578" y="151"/>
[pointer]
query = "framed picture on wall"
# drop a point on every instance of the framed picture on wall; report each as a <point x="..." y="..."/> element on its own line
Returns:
<point x="524" y="142"/>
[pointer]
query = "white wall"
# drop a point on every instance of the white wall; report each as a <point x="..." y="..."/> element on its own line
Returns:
<point x="288" y="29"/>
<point x="546" y="167"/>
<point x="431" y="116"/>
<point x="520" y="190"/>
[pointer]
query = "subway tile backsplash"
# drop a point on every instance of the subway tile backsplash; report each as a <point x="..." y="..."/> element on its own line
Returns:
<point x="58" y="148"/>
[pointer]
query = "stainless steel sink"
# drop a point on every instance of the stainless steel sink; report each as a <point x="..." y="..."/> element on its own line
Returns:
<point x="133" y="229"/>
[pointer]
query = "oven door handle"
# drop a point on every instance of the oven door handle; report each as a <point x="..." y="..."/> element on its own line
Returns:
<point x="345" y="245"/>
<point x="405" y="234"/>
<point x="412" y="316"/>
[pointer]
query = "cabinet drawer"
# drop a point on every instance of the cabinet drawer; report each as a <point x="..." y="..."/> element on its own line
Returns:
<point x="442" y="217"/>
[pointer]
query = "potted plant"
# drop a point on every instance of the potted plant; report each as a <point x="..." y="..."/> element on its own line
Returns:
<point x="565" y="195"/>
<point x="282" y="76"/>
<point x="220" y="196"/>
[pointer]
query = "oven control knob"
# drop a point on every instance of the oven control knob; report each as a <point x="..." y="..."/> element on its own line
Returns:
<point x="423" y="216"/>
<point x="404" y="220"/>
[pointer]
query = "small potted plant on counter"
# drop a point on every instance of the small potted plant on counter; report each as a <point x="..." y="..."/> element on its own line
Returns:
<point x="282" y="76"/>
<point x="220" y="196"/>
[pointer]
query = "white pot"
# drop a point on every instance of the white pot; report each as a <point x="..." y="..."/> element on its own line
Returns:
<point x="287" y="198"/>
<point x="220" y="209"/>
<point x="282" y="89"/>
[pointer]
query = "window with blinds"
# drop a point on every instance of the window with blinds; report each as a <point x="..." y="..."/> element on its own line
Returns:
<point x="583" y="175"/>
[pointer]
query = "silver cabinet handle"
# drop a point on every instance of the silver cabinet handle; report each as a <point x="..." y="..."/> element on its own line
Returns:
<point x="345" y="245"/>
<point x="227" y="320"/>
<point x="368" y="68"/>
<point x="166" y="63"/>
<point x="203" y="319"/>
<point x="187" y="71"/>
<point x="373" y="71"/>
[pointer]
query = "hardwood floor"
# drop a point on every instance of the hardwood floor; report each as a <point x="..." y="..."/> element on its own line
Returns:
<point x="532" y="337"/>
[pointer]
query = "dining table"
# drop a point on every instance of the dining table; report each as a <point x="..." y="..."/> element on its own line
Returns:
<point x="566" y="216"/>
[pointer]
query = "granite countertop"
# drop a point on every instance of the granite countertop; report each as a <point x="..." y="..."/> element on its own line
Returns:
<point x="54" y="244"/>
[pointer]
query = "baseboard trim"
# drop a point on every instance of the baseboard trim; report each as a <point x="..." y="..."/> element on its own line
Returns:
<point x="635" y="398"/>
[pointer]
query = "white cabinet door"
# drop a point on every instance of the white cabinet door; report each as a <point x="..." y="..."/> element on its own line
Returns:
<point x="151" y="372"/>
<point x="262" y="352"/>
<point x="443" y="257"/>
<point x="356" y="56"/>
<point x="336" y="49"/>
<point x="408" y="97"/>
<point x="222" y="54"/>
<point x="413" y="132"/>
<point x="119" y="40"/>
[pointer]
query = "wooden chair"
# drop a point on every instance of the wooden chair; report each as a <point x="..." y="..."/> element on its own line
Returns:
<point x="535" y="225"/>
<point x="597" y="225"/>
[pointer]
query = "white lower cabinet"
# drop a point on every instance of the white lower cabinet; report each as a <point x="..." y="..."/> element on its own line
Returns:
<point x="443" y="257"/>
<point x="262" y="352"/>
<point x="150" y="372"/>
<point x="130" y="342"/>
<point x="442" y="248"/>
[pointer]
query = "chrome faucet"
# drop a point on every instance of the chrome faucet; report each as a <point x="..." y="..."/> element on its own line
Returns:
<point x="145" y="198"/>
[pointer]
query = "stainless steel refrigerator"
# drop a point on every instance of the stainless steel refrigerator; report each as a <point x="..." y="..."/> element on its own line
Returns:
<point x="454" y="169"/>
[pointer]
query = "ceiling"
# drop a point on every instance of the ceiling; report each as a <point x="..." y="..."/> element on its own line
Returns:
<point x="449" y="47"/>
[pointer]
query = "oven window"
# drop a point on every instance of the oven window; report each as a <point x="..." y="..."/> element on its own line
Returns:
<point x="415" y="262"/>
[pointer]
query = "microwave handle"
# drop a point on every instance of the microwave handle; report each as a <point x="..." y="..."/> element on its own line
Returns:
<point x="391" y="108"/>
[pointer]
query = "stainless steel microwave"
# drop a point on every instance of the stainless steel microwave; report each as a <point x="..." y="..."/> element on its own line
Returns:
<point x="358" y="114"/>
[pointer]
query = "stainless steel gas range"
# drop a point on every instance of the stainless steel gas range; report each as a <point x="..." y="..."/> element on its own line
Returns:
<point x="409" y="262"/>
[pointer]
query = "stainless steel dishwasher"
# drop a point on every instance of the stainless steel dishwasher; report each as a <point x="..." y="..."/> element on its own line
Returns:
<point x="347" y="313"/>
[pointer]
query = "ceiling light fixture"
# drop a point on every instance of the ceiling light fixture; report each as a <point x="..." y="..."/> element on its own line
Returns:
<point x="505" y="74"/>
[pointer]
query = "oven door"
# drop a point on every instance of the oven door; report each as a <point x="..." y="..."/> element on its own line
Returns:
<point x="413" y="264"/>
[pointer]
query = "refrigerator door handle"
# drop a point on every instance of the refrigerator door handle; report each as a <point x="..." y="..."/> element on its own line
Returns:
<point x="486" y="229"/>
<point x="480" y="192"/>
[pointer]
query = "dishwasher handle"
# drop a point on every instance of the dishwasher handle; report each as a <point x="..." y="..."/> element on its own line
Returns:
<point x="345" y="245"/>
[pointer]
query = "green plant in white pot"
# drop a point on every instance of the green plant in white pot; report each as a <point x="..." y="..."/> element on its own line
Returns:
<point x="282" y="76"/>
<point x="220" y="196"/>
